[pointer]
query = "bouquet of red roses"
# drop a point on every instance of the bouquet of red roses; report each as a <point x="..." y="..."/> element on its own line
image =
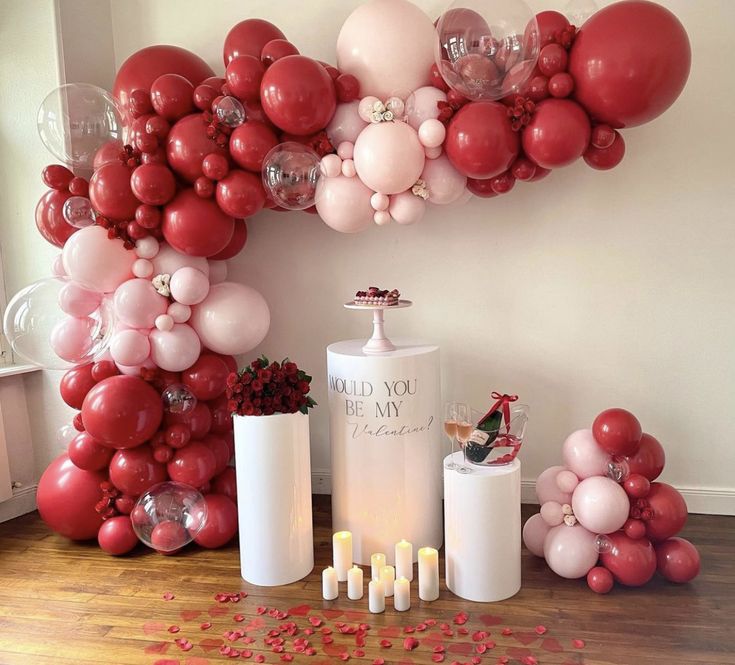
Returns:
<point x="264" y="388"/>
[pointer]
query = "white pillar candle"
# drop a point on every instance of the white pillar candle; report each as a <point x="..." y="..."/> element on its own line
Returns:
<point x="388" y="577"/>
<point x="330" y="587"/>
<point x="404" y="560"/>
<point x="402" y="595"/>
<point x="342" y="553"/>
<point x="376" y="597"/>
<point x="377" y="561"/>
<point x="354" y="583"/>
<point x="428" y="573"/>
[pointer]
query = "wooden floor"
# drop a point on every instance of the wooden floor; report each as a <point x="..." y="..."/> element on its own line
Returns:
<point x="64" y="603"/>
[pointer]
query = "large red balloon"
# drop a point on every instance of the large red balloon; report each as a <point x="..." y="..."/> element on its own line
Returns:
<point x="250" y="143"/>
<point x="188" y="144"/>
<point x="244" y="75"/>
<point x="669" y="512"/>
<point x="617" y="431"/>
<point x="135" y="471"/>
<point x="122" y="411"/>
<point x="480" y="142"/>
<point x="116" y="536"/>
<point x="194" y="465"/>
<point x="110" y="192"/>
<point x="196" y="226"/>
<point x="226" y="483"/>
<point x="50" y="217"/>
<point x="558" y="133"/>
<point x="221" y="523"/>
<point x="677" y="560"/>
<point x="632" y="562"/>
<point x="75" y="385"/>
<point x="207" y="377"/>
<point x="630" y="61"/>
<point x="240" y="194"/>
<point x="248" y="38"/>
<point x="172" y="96"/>
<point x="649" y="460"/>
<point x="298" y="95"/>
<point x="67" y="496"/>
<point x="88" y="454"/>
<point x="237" y="242"/>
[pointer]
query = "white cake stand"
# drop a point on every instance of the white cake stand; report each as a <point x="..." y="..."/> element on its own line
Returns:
<point x="378" y="343"/>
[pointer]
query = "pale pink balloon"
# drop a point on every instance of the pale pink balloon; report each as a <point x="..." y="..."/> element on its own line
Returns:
<point x="178" y="312"/>
<point x="147" y="248"/>
<point x="346" y="149"/>
<point x="189" y="286"/>
<point x="566" y="481"/>
<point x="379" y="201"/>
<point x="547" y="489"/>
<point x="232" y="319"/>
<point x="134" y="370"/>
<point x="570" y="551"/>
<point x="433" y="153"/>
<point x="175" y="350"/>
<point x="57" y="267"/>
<point x="168" y="261"/>
<point x="71" y="338"/>
<point x="600" y="504"/>
<point x="346" y="124"/>
<point x="407" y="208"/>
<point x="137" y="303"/>
<point x="381" y="218"/>
<point x="366" y="107"/>
<point x="444" y="183"/>
<point x="534" y="533"/>
<point x="348" y="168"/>
<point x="344" y="204"/>
<point x="330" y="166"/>
<point x="423" y="105"/>
<point x="389" y="157"/>
<point x="75" y="300"/>
<point x="143" y="268"/>
<point x="388" y="45"/>
<point x="129" y="347"/>
<point x="96" y="261"/>
<point x="552" y="513"/>
<point x="432" y="133"/>
<point x="165" y="322"/>
<point x="583" y="456"/>
<point x="217" y="271"/>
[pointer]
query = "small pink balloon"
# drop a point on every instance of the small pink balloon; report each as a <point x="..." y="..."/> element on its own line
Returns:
<point x="189" y="286"/>
<point x="600" y="504"/>
<point x="217" y="271"/>
<point x="422" y="105"/>
<point x="75" y="300"/>
<point x="168" y="261"/>
<point x="71" y="338"/>
<point x="534" y="534"/>
<point x="96" y="261"/>
<point x="147" y="248"/>
<point x="432" y="133"/>
<point x="331" y="166"/>
<point x="583" y="456"/>
<point x="137" y="303"/>
<point x="548" y="490"/>
<point x="164" y="322"/>
<point x="346" y="124"/>
<point x="566" y="481"/>
<point x="407" y="208"/>
<point x="57" y="267"/>
<point x="379" y="201"/>
<point x="175" y="350"/>
<point x="365" y="108"/>
<point x="134" y="370"/>
<point x="348" y="168"/>
<point x="143" y="268"/>
<point x="433" y="153"/>
<point x="552" y="513"/>
<point x="344" y="204"/>
<point x="570" y="551"/>
<point x="444" y="183"/>
<point x="178" y="312"/>
<point x="346" y="149"/>
<point x="129" y="347"/>
<point x="381" y="218"/>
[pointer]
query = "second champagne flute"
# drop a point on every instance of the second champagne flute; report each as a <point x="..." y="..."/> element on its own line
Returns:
<point x="450" y="429"/>
<point x="464" y="431"/>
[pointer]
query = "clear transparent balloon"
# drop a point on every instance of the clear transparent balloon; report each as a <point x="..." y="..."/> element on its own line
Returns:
<point x="231" y="112"/>
<point x="78" y="211"/>
<point x="603" y="544"/>
<point x="33" y="318"/>
<point x="487" y="49"/>
<point x="177" y="508"/>
<point x="290" y="174"/>
<point x="178" y="399"/>
<point x="578" y="11"/>
<point x="77" y="119"/>
<point x="64" y="435"/>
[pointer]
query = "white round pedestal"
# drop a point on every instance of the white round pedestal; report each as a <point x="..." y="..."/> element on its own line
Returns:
<point x="482" y="517"/>
<point x="385" y="433"/>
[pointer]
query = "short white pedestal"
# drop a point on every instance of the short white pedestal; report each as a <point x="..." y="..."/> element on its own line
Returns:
<point x="482" y="516"/>
<point x="385" y="432"/>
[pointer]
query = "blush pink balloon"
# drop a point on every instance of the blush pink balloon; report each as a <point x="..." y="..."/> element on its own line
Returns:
<point x="548" y="490"/>
<point x="71" y="338"/>
<point x="175" y="350"/>
<point x="570" y="551"/>
<point x="432" y="133"/>
<point x="134" y="370"/>
<point x="344" y="204"/>
<point x="389" y="157"/>
<point x="566" y="481"/>
<point x="407" y="208"/>
<point x="75" y="300"/>
<point x="167" y="261"/>
<point x="217" y="271"/>
<point x="165" y="322"/>
<point x="147" y="248"/>
<point x="583" y="456"/>
<point x="129" y="347"/>
<point x="600" y="504"/>
<point x="552" y="513"/>
<point x="57" y="267"/>
<point x="423" y="105"/>
<point x="189" y="286"/>
<point x="331" y="166"/>
<point x="178" y="312"/>
<point x="137" y="303"/>
<point x="534" y="534"/>
<point x="96" y="261"/>
<point x="346" y="124"/>
<point x="444" y="183"/>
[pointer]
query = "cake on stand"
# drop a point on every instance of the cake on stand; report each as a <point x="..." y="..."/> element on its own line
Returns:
<point x="378" y="343"/>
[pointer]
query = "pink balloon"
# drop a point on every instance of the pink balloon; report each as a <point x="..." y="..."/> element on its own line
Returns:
<point x="232" y="319"/>
<point x="534" y="534"/>
<point x="346" y="124"/>
<point x="600" y="504"/>
<point x="583" y="456"/>
<point x="552" y="513"/>
<point x="566" y="481"/>
<point x="432" y="133"/>
<point x="189" y="286"/>
<point x="344" y="204"/>
<point x="167" y="261"/>
<point x="444" y="183"/>
<point x="147" y="248"/>
<point x="71" y="338"/>
<point x="548" y="490"/>
<point x="165" y="322"/>
<point x="366" y="106"/>
<point x="137" y="303"/>
<point x="331" y="166"/>
<point x="407" y="208"/>
<point x="75" y="300"/>
<point x="57" y="267"/>
<point x="217" y="271"/>
<point x="129" y="347"/>
<point x="423" y="105"/>
<point x="175" y="350"/>
<point x="96" y="261"/>
<point x="178" y="312"/>
<point x="570" y="551"/>
<point x="143" y="268"/>
<point x="389" y="157"/>
<point x="346" y="150"/>
<point x="134" y="370"/>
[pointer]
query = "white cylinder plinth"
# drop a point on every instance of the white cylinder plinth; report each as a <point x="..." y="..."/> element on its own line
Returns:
<point x="274" y="498"/>
<point x="482" y="517"/>
<point x="385" y="432"/>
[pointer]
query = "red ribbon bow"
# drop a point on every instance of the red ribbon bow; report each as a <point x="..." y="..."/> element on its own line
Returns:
<point x="503" y="402"/>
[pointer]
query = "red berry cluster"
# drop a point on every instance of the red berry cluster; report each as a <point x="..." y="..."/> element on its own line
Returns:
<point x="106" y="505"/>
<point x="566" y="37"/>
<point x="521" y="112"/>
<point x="264" y="388"/>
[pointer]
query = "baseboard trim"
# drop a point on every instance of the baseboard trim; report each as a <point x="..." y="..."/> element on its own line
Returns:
<point x="23" y="501"/>
<point x="703" y="500"/>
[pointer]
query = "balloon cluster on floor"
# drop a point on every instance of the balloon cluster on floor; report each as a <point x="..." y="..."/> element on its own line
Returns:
<point x="604" y="504"/>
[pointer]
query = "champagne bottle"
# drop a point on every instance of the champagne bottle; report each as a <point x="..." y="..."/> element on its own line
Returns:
<point x="481" y="440"/>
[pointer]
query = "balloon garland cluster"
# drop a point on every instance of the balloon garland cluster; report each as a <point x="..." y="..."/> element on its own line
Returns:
<point x="606" y="504"/>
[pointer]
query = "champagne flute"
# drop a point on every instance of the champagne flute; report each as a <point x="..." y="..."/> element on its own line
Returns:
<point x="450" y="429"/>
<point x="464" y="431"/>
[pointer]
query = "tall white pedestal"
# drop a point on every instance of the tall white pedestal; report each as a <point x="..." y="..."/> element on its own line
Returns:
<point x="385" y="432"/>
<point x="482" y="516"/>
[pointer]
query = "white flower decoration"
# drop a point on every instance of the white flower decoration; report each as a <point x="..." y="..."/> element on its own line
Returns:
<point x="420" y="189"/>
<point x="162" y="284"/>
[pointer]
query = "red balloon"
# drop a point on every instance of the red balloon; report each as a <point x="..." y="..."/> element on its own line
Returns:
<point x="617" y="432"/>
<point x="188" y="144"/>
<point x="199" y="420"/>
<point x="125" y="504"/>
<point x="677" y="560"/>
<point x="561" y="85"/>
<point x="177" y="436"/>
<point x="540" y="174"/>
<point x="558" y="133"/>
<point x="221" y="523"/>
<point x="250" y="143"/>
<point x="523" y="169"/>
<point x="637" y="486"/>
<point x="135" y="470"/>
<point x="116" y="536"/>
<point x="104" y="369"/>
<point x="600" y="580"/>
<point x="88" y="454"/>
<point x="481" y="188"/>
<point x="215" y="166"/>
<point x="67" y="496"/>
<point x="230" y="361"/>
<point x="207" y="377"/>
<point x="603" y="136"/>
<point x="50" y="217"/>
<point x="203" y="97"/>
<point x="163" y="454"/>
<point x="248" y="38"/>
<point x="347" y="87"/>
<point x="168" y="537"/>
<point x="240" y="194"/>
<point x="122" y="411"/>
<point x="153" y="184"/>
<point x="110" y="192"/>
<point x="196" y="226"/>
<point x="194" y="465"/>
<point x="220" y="449"/>
<point x="204" y="187"/>
<point x="634" y="529"/>
<point x="669" y="512"/>
<point x="276" y="49"/>
<point x="480" y="142"/>
<point x="221" y="417"/>
<point x="239" y="238"/>
<point x="171" y="96"/>
<point x="75" y="385"/>
<point x="503" y="183"/>
<point x="649" y="460"/>
<point x="630" y="62"/>
<point x="632" y="562"/>
<point x="298" y="95"/>
<point x="244" y="75"/>
<point x="550" y="25"/>
<point x="552" y="59"/>
<point x="226" y="483"/>
<point x="57" y="176"/>
<point x="603" y="159"/>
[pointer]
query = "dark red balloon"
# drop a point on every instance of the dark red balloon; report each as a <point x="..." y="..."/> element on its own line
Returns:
<point x="116" y="536"/>
<point x="57" y="176"/>
<point x="558" y="134"/>
<point x="207" y="377"/>
<point x="196" y="226"/>
<point x="50" y="217"/>
<point x="221" y="417"/>
<point x="550" y="26"/>
<point x="503" y="183"/>
<point x="203" y="97"/>
<point x="153" y="184"/>
<point x="244" y="75"/>
<point x="220" y="449"/>
<point x="677" y="560"/>
<point x="250" y="143"/>
<point x="237" y="242"/>
<point x="215" y="166"/>
<point x="603" y="159"/>
<point x="600" y="580"/>
<point x="168" y="537"/>
<point x="249" y="37"/>
<point x="88" y="454"/>
<point x="347" y="87"/>
<point x="75" y="385"/>
<point x="177" y="436"/>
<point x="276" y="49"/>
<point x="194" y="465"/>
<point x="669" y="512"/>
<point x="226" y="483"/>
<point x="104" y="369"/>
<point x="110" y="192"/>
<point x="561" y="85"/>
<point x="135" y="470"/>
<point x="240" y="194"/>
<point x="482" y="188"/>
<point x="125" y="504"/>
<point x="617" y="431"/>
<point x="199" y="420"/>
<point x="523" y="169"/>
<point x="632" y="562"/>
<point x="634" y="529"/>
<point x="188" y="144"/>
<point x="603" y="136"/>
<point x="630" y="62"/>
<point x="649" y="460"/>
<point x="221" y="523"/>
<point x="552" y="59"/>
<point x="637" y="486"/>
<point x="172" y="96"/>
